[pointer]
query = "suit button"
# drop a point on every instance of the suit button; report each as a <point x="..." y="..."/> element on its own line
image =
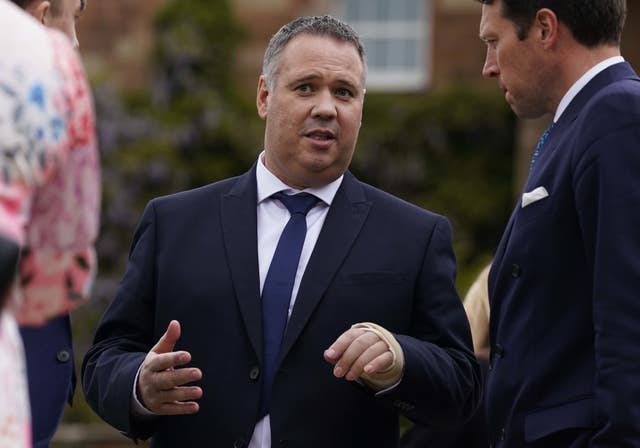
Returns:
<point x="240" y="443"/>
<point x="63" y="356"/>
<point x="498" y="350"/>
<point x="282" y="442"/>
<point x="254" y="374"/>
<point x="503" y="434"/>
<point x="516" y="271"/>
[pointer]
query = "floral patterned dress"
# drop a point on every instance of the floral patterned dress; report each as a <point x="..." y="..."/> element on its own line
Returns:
<point x="49" y="193"/>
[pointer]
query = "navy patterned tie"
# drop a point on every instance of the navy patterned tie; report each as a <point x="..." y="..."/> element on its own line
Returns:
<point x="543" y="138"/>
<point x="278" y="286"/>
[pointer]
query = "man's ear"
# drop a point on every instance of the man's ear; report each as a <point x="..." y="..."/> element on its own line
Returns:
<point x="546" y="27"/>
<point x="262" y="97"/>
<point x="39" y="10"/>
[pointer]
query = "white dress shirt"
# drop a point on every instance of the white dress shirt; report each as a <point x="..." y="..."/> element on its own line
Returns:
<point x="582" y="81"/>
<point x="272" y="218"/>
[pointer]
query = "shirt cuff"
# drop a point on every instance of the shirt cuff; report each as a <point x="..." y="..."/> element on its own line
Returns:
<point x="137" y="408"/>
<point x="388" y="389"/>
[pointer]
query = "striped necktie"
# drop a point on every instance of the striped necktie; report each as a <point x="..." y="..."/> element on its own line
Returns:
<point x="541" y="141"/>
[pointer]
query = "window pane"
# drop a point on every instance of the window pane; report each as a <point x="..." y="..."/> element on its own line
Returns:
<point x="411" y="56"/>
<point x="405" y="10"/>
<point x="383" y="8"/>
<point x="359" y="10"/>
<point x="351" y="9"/>
<point x="403" y="53"/>
<point x="377" y="51"/>
<point x="398" y="10"/>
<point x="413" y="9"/>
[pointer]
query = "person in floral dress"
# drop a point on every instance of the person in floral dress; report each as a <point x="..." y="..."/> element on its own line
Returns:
<point x="49" y="194"/>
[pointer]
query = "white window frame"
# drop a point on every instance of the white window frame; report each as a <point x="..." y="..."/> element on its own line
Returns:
<point x="419" y="30"/>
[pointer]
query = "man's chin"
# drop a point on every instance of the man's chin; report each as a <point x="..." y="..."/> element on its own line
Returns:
<point x="527" y="115"/>
<point x="318" y="175"/>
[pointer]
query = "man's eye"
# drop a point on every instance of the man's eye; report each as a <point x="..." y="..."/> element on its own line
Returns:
<point x="344" y="92"/>
<point x="304" y="88"/>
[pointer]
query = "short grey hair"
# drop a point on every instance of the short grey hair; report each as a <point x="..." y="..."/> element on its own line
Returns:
<point x="313" y="25"/>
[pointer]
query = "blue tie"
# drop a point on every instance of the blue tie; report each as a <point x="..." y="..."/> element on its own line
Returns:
<point x="543" y="138"/>
<point x="278" y="286"/>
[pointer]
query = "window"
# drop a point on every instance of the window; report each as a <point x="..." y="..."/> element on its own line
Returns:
<point x="395" y="35"/>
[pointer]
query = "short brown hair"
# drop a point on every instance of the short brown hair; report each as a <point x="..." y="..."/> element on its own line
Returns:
<point x="592" y="22"/>
<point x="312" y="25"/>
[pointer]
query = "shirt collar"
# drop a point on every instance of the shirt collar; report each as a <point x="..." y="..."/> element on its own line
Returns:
<point x="268" y="184"/>
<point x="580" y="83"/>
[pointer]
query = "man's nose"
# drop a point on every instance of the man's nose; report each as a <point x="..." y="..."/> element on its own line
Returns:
<point x="325" y="106"/>
<point x="490" y="68"/>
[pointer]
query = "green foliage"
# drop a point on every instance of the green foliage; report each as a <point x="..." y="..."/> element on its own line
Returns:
<point x="187" y="129"/>
<point x="197" y="40"/>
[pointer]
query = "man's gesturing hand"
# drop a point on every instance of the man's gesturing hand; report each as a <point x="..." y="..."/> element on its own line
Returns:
<point x="369" y="352"/>
<point x="160" y="386"/>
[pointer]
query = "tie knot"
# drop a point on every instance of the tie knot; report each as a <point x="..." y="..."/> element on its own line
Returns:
<point x="297" y="203"/>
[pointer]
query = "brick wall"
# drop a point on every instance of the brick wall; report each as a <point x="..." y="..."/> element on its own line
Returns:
<point x="116" y="38"/>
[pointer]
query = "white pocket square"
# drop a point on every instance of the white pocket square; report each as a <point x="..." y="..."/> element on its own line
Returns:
<point x="534" y="196"/>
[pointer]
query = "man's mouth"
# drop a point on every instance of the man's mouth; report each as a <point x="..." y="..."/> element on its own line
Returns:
<point x="321" y="134"/>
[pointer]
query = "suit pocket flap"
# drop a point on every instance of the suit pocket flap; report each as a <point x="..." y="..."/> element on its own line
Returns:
<point x="367" y="278"/>
<point x="575" y="414"/>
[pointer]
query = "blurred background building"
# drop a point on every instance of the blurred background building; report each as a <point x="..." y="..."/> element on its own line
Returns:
<point x="413" y="45"/>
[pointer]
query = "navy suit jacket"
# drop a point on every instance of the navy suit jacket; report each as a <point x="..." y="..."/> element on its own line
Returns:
<point x="379" y="259"/>
<point x="50" y="373"/>
<point x="565" y="283"/>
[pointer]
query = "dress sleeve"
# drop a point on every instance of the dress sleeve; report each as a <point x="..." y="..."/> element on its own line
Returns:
<point x="54" y="206"/>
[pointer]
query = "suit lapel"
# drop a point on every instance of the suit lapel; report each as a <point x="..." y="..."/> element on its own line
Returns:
<point x="499" y="254"/>
<point x="341" y="227"/>
<point x="239" y="224"/>
<point x="614" y="73"/>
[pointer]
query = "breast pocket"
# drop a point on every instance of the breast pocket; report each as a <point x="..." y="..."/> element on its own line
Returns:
<point x="374" y="297"/>
<point x="372" y="278"/>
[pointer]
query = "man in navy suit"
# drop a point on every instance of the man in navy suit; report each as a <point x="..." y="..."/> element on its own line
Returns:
<point x="49" y="348"/>
<point x="565" y="314"/>
<point x="375" y="326"/>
